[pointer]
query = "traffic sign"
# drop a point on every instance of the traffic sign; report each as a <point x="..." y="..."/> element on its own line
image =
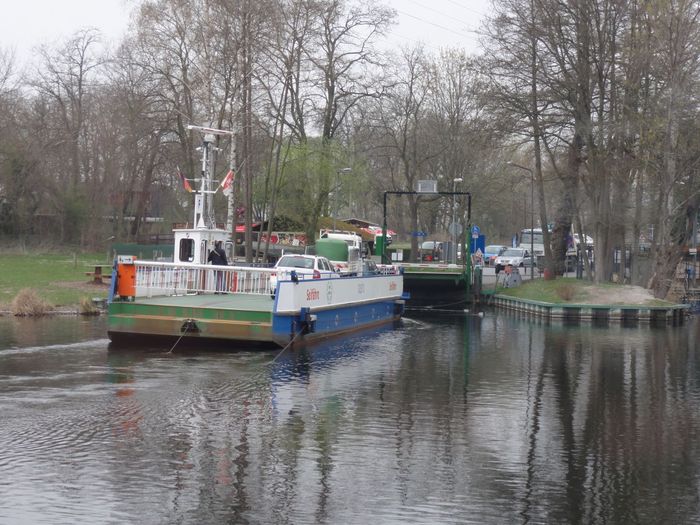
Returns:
<point x="419" y="234"/>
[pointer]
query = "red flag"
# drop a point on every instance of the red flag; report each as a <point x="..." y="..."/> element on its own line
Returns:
<point x="227" y="183"/>
<point x="185" y="182"/>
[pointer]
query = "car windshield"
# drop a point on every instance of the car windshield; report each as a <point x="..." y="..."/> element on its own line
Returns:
<point x="513" y="252"/>
<point x="493" y="249"/>
<point x="296" y="262"/>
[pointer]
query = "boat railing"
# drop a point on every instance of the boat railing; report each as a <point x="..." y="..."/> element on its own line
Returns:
<point x="162" y="278"/>
<point x="156" y="278"/>
<point x="442" y="267"/>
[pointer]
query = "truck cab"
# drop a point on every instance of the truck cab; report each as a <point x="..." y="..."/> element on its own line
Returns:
<point x="351" y="239"/>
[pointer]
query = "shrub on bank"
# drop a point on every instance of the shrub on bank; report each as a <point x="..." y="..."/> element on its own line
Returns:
<point x="88" y="307"/>
<point x="28" y="303"/>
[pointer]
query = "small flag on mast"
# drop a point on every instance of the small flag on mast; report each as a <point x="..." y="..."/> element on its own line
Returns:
<point x="185" y="182"/>
<point x="227" y="183"/>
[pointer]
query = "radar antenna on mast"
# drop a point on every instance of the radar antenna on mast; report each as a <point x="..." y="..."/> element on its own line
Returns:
<point x="204" y="198"/>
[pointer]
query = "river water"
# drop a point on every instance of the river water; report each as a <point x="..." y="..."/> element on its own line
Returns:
<point x="455" y="419"/>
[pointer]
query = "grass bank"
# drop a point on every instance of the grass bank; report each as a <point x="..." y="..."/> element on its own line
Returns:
<point x="59" y="279"/>
<point x="576" y="291"/>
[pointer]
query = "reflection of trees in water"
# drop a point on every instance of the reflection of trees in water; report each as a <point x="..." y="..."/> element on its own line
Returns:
<point x="564" y="424"/>
<point x="613" y="425"/>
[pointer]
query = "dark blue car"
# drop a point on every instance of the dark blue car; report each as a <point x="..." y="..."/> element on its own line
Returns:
<point x="491" y="252"/>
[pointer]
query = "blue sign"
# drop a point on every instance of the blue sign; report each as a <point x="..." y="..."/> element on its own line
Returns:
<point x="475" y="232"/>
<point x="419" y="234"/>
<point x="478" y="243"/>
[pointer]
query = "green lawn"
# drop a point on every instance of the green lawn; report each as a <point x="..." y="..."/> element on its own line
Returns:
<point x="548" y="291"/>
<point x="58" y="278"/>
<point x="576" y="291"/>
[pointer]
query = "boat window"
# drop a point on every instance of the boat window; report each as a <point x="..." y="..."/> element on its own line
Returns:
<point x="186" y="252"/>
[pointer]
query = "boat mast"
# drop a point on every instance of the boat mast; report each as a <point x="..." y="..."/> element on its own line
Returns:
<point x="204" y="199"/>
<point x="231" y="211"/>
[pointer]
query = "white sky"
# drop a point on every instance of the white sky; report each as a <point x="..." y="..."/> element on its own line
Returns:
<point x="438" y="23"/>
<point x="25" y="24"/>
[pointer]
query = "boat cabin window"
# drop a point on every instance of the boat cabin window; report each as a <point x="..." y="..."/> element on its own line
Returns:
<point x="186" y="252"/>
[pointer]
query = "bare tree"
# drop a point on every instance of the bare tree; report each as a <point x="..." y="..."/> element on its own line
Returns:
<point x="339" y="53"/>
<point x="65" y="81"/>
<point x="400" y="117"/>
<point x="676" y="37"/>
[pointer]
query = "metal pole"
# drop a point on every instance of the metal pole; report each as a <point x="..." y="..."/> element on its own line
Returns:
<point x="453" y="259"/>
<point x="384" y="230"/>
<point x="532" y="216"/>
<point x="335" y="197"/>
<point x="532" y="225"/>
<point x="231" y="209"/>
<point x="695" y="246"/>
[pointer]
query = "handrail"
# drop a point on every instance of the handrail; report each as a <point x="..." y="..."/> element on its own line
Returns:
<point x="163" y="278"/>
<point x="154" y="278"/>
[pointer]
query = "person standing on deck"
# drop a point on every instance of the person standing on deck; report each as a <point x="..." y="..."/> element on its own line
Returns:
<point x="217" y="257"/>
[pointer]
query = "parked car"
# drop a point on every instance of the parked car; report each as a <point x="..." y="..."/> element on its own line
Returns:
<point x="519" y="257"/>
<point x="492" y="251"/>
<point x="303" y="266"/>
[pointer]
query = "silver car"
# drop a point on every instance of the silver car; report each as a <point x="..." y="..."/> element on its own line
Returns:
<point x="518" y="257"/>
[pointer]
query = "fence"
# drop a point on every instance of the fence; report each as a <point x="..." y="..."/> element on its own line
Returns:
<point x="160" y="278"/>
<point x="165" y="278"/>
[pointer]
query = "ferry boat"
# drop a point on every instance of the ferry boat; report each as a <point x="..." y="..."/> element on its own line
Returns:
<point x="190" y="301"/>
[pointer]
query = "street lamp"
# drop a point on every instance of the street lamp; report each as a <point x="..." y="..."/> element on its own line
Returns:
<point x="532" y="216"/>
<point x="454" y="225"/>
<point x="335" y="191"/>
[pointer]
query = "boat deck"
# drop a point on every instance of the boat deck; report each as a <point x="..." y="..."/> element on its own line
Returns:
<point x="242" y="317"/>
<point x="231" y="301"/>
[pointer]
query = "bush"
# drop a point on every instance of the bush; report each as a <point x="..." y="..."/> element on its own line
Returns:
<point x="27" y="302"/>
<point x="88" y="307"/>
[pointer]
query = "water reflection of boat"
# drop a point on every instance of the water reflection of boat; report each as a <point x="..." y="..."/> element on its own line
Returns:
<point x="324" y="375"/>
<point x="191" y="300"/>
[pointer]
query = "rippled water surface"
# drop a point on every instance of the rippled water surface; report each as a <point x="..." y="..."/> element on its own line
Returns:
<point x="441" y="420"/>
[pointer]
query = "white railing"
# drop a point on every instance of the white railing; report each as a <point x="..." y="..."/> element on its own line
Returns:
<point x="161" y="278"/>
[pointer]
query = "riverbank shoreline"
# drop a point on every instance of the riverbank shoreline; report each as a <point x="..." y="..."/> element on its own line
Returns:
<point x="575" y="300"/>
